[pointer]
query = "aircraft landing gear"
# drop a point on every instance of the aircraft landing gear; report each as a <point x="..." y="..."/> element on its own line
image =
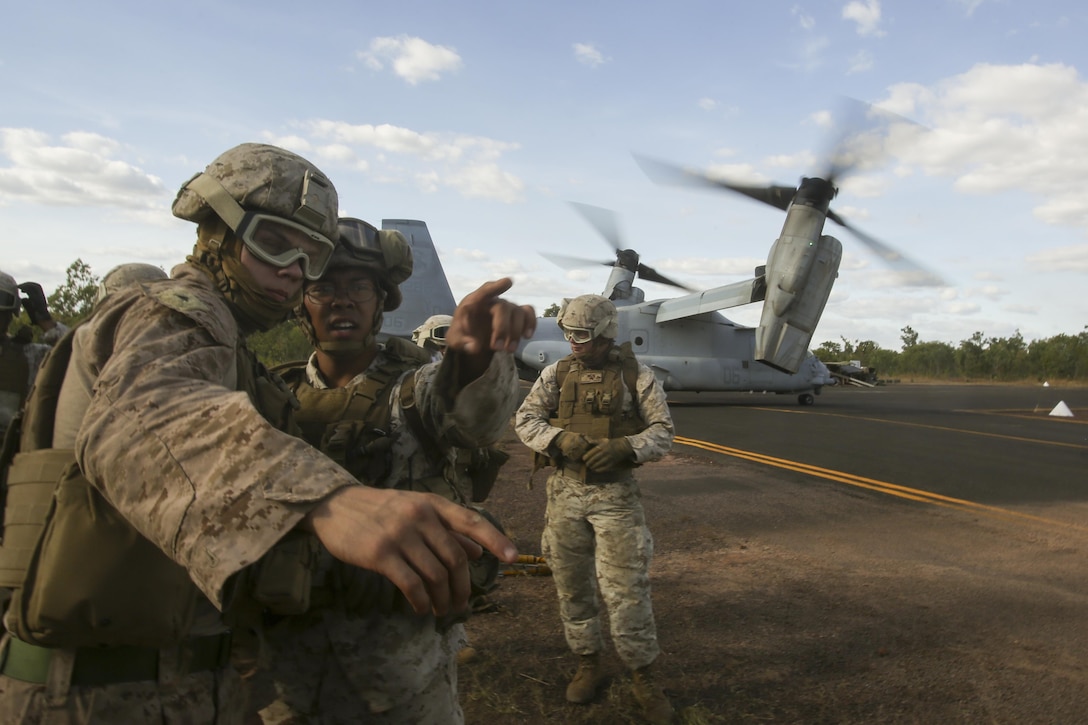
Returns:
<point x="806" y="399"/>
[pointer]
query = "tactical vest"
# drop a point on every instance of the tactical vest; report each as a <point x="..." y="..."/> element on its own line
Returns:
<point x="82" y="575"/>
<point x="591" y="403"/>
<point x="351" y="424"/>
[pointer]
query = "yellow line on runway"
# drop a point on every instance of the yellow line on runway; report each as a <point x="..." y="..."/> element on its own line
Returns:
<point x="891" y="489"/>
<point x="926" y="425"/>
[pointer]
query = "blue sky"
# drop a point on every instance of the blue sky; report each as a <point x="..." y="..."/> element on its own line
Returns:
<point x="485" y="119"/>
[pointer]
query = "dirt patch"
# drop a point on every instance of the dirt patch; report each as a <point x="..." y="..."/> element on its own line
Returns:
<point x="818" y="604"/>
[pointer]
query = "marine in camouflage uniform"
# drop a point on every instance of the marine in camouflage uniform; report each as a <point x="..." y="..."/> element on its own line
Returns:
<point x="595" y="415"/>
<point x="182" y="450"/>
<point x="391" y="417"/>
<point x="19" y="357"/>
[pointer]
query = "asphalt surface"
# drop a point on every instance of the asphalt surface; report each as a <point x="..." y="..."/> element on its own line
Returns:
<point x="904" y="554"/>
<point x="984" y="446"/>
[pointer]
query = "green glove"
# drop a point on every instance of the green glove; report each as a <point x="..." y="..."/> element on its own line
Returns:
<point x="572" y="446"/>
<point x="609" y="455"/>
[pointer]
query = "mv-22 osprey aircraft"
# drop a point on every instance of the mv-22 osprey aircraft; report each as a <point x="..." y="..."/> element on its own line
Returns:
<point x="695" y="352"/>
<point x="687" y="341"/>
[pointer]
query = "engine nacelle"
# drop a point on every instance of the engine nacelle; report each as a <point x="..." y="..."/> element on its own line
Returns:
<point x="800" y="274"/>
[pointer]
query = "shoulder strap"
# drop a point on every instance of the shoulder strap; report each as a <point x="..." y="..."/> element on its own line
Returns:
<point x="40" y="412"/>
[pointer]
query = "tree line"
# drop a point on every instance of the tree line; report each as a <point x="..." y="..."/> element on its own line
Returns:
<point x="976" y="359"/>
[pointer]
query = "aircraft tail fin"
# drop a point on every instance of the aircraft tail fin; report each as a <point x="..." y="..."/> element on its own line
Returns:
<point x="427" y="292"/>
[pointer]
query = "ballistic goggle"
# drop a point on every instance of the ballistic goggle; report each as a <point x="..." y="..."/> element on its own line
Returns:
<point x="359" y="238"/>
<point x="579" y="335"/>
<point x="258" y="231"/>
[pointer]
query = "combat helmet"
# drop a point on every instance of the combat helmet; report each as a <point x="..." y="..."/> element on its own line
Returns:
<point x="592" y="313"/>
<point x="245" y="187"/>
<point x="124" y="275"/>
<point x="431" y="335"/>
<point x="385" y="252"/>
<point x="9" y="294"/>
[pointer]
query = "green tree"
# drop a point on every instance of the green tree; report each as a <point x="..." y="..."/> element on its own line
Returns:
<point x="829" y="351"/>
<point x="970" y="357"/>
<point x="72" y="301"/>
<point x="552" y="310"/>
<point x="928" y="360"/>
<point x="909" y="337"/>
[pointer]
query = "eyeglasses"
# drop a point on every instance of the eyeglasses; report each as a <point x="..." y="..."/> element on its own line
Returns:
<point x="325" y="293"/>
<point x="579" y="335"/>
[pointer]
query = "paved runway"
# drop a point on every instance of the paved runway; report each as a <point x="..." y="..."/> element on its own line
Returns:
<point x="994" y="449"/>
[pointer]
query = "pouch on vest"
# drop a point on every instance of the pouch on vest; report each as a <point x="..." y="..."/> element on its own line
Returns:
<point x="94" y="580"/>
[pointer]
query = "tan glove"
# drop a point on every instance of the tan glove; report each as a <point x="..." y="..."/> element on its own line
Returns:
<point x="609" y="454"/>
<point x="572" y="446"/>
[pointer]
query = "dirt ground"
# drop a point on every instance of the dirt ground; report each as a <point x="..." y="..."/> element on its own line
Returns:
<point x="821" y="605"/>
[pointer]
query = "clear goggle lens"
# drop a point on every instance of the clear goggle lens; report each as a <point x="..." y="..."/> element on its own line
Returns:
<point x="438" y="334"/>
<point x="578" y="335"/>
<point x="274" y="240"/>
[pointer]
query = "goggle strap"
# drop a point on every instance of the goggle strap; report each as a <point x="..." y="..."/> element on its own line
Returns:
<point x="219" y="199"/>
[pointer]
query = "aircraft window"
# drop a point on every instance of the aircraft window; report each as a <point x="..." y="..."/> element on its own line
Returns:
<point x="639" y="341"/>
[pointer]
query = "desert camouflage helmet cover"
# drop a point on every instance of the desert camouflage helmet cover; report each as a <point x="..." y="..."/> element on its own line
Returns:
<point x="125" y="274"/>
<point x="386" y="252"/>
<point x="433" y="331"/>
<point x="268" y="179"/>
<point x="590" y="312"/>
<point x="9" y="294"/>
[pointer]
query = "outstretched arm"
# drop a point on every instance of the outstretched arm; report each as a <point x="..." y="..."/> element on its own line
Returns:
<point x="419" y="541"/>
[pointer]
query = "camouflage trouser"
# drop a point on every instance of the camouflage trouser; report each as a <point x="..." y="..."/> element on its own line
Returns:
<point x="595" y="536"/>
<point x="200" y="698"/>
<point x="326" y="667"/>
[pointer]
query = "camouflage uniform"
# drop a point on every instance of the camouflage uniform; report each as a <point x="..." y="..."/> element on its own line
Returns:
<point x="13" y="392"/>
<point x="335" y="665"/>
<point x="214" y="498"/>
<point x="597" y="531"/>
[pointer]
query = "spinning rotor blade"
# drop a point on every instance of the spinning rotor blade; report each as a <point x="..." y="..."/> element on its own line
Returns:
<point x="575" y="262"/>
<point x="915" y="274"/>
<point x="652" y="275"/>
<point x="660" y="172"/>
<point x="603" y="220"/>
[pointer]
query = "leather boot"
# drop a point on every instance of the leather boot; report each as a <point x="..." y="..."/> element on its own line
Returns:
<point x="655" y="705"/>
<point x="583" y="686"/>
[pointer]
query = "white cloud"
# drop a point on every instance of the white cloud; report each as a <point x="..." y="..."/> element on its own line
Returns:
<point x="707" y="104"/>
<point x="861" y="62"/>
<point x="1061" y="259"/>
<point x="79" y="171"/>
<point x="806" y="21"/>
<point x="588" y="54"/>
<point x="413" y="59"/>
<point x="1000" y="128"/>
<point x="866" y="13"/>
<point x="394" y="154"/>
